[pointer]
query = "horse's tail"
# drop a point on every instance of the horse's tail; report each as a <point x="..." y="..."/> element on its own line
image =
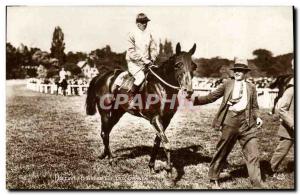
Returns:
<point x="94" y="87"/>
<point x="90" y="103"/>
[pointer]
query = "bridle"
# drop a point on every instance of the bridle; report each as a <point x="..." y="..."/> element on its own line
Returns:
<point x="162" y="80"/>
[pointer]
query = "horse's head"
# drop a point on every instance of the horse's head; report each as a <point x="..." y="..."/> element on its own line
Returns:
<point x="184" y="67"/>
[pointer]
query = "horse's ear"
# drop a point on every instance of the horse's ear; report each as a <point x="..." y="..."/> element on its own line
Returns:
<point x="192" y="51"/>
<point x="178" y="48"/>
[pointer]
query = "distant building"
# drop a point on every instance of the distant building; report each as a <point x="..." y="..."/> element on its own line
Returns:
<point x="88" y="70"/>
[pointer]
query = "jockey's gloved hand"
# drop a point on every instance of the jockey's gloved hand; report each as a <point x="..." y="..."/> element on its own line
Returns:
<point x="148" y="63"/>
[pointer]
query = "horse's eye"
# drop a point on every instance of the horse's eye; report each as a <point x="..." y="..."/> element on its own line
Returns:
<point x="194" y="66"/>
<point x="178" y="65"/>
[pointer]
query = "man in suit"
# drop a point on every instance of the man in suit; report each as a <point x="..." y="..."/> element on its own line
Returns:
<point x="236" y="118"/>
<point x="286" y="129"/>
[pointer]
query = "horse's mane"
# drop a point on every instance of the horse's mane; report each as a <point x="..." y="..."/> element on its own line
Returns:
<point x="162" y="68"/>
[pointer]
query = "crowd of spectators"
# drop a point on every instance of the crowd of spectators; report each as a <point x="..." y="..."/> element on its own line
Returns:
<point x="208" y="83"/>
<point x="71" y="81"/>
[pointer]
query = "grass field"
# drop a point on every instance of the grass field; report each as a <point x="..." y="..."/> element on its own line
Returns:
<point x="52" y="144"/>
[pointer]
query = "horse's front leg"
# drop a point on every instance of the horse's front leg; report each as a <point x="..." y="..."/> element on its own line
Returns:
<point x="157" y="123"/>
<point x="154" y="153"/>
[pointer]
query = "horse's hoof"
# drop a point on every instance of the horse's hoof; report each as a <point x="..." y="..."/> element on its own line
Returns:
<point x="103" y="155"/>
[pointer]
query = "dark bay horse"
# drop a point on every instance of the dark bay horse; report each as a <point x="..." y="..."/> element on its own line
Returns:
<point x="176" y="71"/>
<point x="63" y="84"/>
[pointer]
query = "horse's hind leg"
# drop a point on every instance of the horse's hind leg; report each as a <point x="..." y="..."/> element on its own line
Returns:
<point x="108" y="121"/>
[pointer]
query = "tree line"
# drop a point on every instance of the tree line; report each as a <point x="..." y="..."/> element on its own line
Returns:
<point x="25" y="62"/>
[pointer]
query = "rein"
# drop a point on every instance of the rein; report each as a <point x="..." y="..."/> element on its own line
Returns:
<point x="163" y="81"/>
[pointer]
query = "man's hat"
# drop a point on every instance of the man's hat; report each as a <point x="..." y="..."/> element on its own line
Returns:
<point x="241" y="64"/>
<point x="141" y="17"/>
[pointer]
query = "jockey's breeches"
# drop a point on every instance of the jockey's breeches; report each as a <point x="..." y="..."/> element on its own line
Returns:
<point x="137" y="72"/>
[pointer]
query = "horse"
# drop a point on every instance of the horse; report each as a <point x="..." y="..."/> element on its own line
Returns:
<point x="63" y="84"/>
<point x="173" y="75"/>
<point x="281" y="83"/>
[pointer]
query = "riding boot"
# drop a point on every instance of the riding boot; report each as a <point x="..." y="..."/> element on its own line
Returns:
<point x="133" y="91"/>
<point x="115" y="91"/>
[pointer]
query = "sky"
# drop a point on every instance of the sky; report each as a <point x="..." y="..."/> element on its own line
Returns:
<point x="218" y="31"/>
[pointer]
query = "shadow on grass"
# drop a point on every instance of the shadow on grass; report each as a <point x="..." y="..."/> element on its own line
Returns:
<point x="267" y="170"/>
<point x="180" y="157"/>
<point x="183" y="157"/>
<point x="241" y="171"/>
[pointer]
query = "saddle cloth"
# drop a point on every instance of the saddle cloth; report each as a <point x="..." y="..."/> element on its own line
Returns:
<point x="125" y="81"/>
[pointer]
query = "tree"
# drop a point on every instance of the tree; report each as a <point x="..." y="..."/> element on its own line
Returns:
<point x="283" y="64"/>
<point x="105" y="59"/>
<point x="42" y="71"/>
<point x="73" y="68"/>
<point x="11" y="61"/>
<point x="41" y="57"/>
<point x="58" y="45"/>
<point x="24" y="55"/>
<point x="264" y="60"/>
<point x="168" y="49"/>
<point x="75" y="57"/>
<point x="32" y="51"/>
<point x="15" y="59"/>
<point x="51" y="72"/>
<point x="213" y="67"/>
<point x="272" y="66"/>
<point x="165" y="51"/>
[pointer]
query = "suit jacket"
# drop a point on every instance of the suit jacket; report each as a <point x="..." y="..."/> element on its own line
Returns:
<point x="286" y="103"/>
<point x="225" y="91"/>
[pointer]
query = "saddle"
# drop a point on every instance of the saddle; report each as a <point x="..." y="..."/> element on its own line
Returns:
<point x="124" y="81"/>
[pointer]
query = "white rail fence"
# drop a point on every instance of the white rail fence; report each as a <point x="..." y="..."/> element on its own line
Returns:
<point x="52" y="89"/>
<point x="266" y="96"/>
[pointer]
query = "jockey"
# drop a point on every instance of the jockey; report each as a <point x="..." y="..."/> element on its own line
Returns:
<point x="62" y="75"/>
<point x="141" y="52"/>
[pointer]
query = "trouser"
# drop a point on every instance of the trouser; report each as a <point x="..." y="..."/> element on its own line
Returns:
<point x="137" y="72"/>
<point x="281" y="151"/>
<point x="248" y="141"/>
